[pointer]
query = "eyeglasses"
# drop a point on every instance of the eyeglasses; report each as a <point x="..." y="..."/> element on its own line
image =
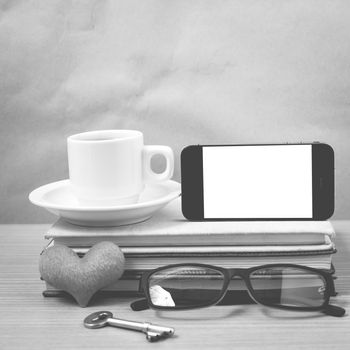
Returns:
<point x="283" y="286"/>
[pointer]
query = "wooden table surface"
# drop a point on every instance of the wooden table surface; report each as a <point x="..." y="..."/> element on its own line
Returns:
<point x="30" y="321"/>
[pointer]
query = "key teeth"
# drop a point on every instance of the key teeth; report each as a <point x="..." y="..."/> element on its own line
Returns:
<point x="152" y="336"/>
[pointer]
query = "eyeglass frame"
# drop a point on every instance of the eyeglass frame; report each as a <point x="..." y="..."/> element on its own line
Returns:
<point x="244" y="273"/>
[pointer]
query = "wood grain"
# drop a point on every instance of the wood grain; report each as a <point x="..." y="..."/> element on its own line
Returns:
<point x="29" y="321"/>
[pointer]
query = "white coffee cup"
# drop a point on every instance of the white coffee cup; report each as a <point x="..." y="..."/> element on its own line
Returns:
<point x="111" y="167"/>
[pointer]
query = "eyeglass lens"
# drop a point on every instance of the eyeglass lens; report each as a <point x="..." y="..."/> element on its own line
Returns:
<point x="185" y="286"/>
<point x="288" y="286"/>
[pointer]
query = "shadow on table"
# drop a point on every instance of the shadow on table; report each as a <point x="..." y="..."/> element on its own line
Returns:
<point x="291" y="315"/>
<point x="200" y="314"/>
<point x="235" y="304"/>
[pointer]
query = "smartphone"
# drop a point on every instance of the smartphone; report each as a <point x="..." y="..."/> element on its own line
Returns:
<point x="258" y="182"/>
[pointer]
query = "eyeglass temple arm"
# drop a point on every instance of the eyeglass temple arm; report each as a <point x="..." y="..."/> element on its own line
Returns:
<point x="333" y="310"/>
<point x="139" y="305"/>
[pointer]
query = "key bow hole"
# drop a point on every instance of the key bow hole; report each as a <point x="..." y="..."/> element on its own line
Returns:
<point x="100" y="316"/>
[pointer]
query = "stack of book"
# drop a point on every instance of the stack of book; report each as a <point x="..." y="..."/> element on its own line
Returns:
<point x="168" y="238"/>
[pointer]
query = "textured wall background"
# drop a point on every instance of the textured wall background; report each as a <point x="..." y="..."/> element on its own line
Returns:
<point x="181" y="71"/>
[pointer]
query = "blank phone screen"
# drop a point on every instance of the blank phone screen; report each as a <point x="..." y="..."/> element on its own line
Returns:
<point x="257" y="181"/>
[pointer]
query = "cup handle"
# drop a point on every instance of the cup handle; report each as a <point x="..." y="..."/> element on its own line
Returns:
<point x="148" y="174"/>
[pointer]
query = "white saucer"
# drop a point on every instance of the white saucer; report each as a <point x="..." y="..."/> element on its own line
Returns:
<point x="58" y="198"/>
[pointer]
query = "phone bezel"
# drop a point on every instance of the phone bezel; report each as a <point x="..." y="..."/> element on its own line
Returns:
<point x="322" y="183"/>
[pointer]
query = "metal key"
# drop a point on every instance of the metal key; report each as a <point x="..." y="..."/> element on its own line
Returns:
<point x="105" y="318"/>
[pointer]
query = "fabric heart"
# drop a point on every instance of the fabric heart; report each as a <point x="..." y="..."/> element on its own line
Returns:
<point x="101" y="266"/>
